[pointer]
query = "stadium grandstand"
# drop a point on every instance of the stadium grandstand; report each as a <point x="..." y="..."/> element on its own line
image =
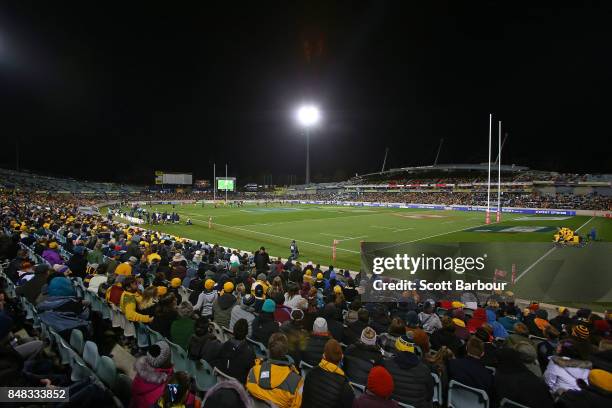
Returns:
<point x="113" y="311"/>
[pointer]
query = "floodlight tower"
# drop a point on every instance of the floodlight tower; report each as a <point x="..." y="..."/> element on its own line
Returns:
<point x="308" y="116"/>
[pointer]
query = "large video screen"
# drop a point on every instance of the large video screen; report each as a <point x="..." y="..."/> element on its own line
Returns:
<point x="173" y="178"/>
<point x="224" y="184"/>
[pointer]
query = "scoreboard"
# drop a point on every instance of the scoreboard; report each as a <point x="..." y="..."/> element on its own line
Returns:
<point x="162" y="177"/>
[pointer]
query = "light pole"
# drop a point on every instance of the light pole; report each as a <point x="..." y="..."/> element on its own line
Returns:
<point x="308" y="116"/>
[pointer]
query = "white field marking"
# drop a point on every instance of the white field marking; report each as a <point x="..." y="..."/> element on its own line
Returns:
<point x="448" y="222"/>
<point x="279" y="236"/>
<point x="334" y="235"/>
<point x="403" y="229"/>
<point x="433" y="236"/>
<point x="349" y="239"/>
<point x="550" y="251"/>
<point x="309" y="220"/>
<point x="382" y="227"/>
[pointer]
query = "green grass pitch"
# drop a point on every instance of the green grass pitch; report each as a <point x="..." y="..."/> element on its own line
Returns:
<point x="314" y="227"/>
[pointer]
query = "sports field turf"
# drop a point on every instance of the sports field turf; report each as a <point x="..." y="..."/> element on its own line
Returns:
<point x="315" y="227"/>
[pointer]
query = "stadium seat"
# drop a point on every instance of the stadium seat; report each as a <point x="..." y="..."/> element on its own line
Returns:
<point x="80" y="371"/>
<point x="142" y="335"/>
<point x="461" y="396"/>
<point x="204" y="375"/>
<point x="538" y="338"/>
<point x="223" y="376"/>
<point x="260" y="349"/>
<point x="106" y="371"/>
<point x="437" y="394"/>
<point x="123" y="388"/>
<point x="507" y="403"/>
<point x="305" y="368"/>
<point x="90" y="354"/>
<point x="358" y="389"/>
<point x="218" y="332"/>
<point x="77" y="341"/>
<point x="404" y="405"/>
<point x="491" y="369"/>
<point x="66" y="353"/>
<point x="179" y="358"/>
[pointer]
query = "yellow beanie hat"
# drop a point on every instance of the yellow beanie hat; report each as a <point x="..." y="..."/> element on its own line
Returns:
<point x="459" y="322"/>
<point x="175" y="282"/>
<point x="162" y="290"/>
<point x="319" y="276"/>
<point x="209" y="284"/>
<point x="457" y="305"/>
<point x="337" y="289"/>
<point x="601" y="379"/>
<point x="228" y="287"/>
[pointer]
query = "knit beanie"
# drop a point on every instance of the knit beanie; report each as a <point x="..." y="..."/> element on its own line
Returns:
<point x="262" y="277"/>
<point x="319" y="325"/>
<point x="580" y="331"/>
<point x="297" y="315"/>
<point x="209" y="284"/>
<point x="319" y="276"/>
<point x="61" y="286"/>
<point x="159" y="355"/>
<point x="601" y="379"/>
<point x="162" y="290"/>
<point x="380" y="382"/>
<point x="403" y="343"/>
<point x="412" y="318"/>
<point x="228" y="287"/>
<point x="458" y="322"/>
<point x="268" y="306"/>
<point x="368" y="336"/>
<point x="337" y="289"/>
<point x="175" y="282"/>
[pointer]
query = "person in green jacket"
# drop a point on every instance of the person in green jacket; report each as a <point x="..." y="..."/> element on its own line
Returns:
<point x="183" y="327"/>
<point x="96" y="256"/>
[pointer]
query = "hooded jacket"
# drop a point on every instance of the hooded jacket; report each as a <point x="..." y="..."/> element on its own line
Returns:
<point x="231" y="393"/>
<point x="222" y="309"/>
<point x="264" y="326"/>
<point x="148" y="385"/>
<point x="205" y="302"/>
<point x="498" y="329"/>
<point x="562" y="373"/>
<point x="242" y="312"/>
<point x="128" y="303"/>
<point x="413" y="381"/>
<point x="276" y="381"/>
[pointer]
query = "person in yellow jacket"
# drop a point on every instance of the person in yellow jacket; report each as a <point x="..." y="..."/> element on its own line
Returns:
<point x="125" y="268"/>
<point x="129" y="301"/>
<point x="276" y="379"/>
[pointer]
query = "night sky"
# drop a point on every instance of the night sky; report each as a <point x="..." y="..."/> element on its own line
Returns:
<point x="115" y="90"/>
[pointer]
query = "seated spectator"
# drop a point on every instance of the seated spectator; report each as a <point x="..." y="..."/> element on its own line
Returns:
<point x="297" y="336"/>
<point x="222" y="307"/>
<point x="175" y="284"/>
<point x="351" y="315"/>
<point x="489" y="357"/>
<point x="498" y="330"/>
<point x="206" y="299"/>
<point x="380" y="319"/>
<point x="507" y="320"/>
<point x="413" y="380"/>
<point x="152" y="372"/>
<point x="420" y="337"/>
<point x="516" y="382"/>
<point x="282" y="313"/>
<point x="326" y="385"/>
<point x="562" y="320"/>
<point x="203" y="344"/>
<point x="353" y="331"/>
<point x="293" y="297"/>
<point x="566" y="368"/>
<point x="176" y="393"/>
<point x="539" y="323"/>
<point x="275" y="379"/>
<point x="334" y="326"/>
<point x="380" y="387"/>
<point x="316" y="342"/>
<point x="546" y="348"/>
<point x="227" y="394"/>
<point x="360" y="356"/>
<point x="236" y="356"/>
<point x="125" y="268"/>
<point x="429" y="321"/>
<point x="446" y="337"/>
<point x="470" y="370"/>
<point x="596" y="394"/>
<point x="264" y="325"/>
<point x="244" y="311"/>
<point x="386" y="341"/>
<point x="33" y="287"/>
<point x="165" y="314"/>
<point x="182" y="328"/>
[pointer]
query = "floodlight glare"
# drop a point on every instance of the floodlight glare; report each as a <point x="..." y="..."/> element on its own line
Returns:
<point x="308" y="115"/>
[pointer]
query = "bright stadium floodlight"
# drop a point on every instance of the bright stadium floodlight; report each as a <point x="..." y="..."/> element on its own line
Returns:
<point x="308" y="116"/>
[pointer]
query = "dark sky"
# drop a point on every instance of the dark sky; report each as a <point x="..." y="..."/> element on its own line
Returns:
<point x="114" y="90"/>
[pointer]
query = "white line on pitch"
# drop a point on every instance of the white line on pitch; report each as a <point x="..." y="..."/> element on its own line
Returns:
<point x="279" y="236"/>
<point x="348" y="239"/>
<point x="334" y="235"/>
